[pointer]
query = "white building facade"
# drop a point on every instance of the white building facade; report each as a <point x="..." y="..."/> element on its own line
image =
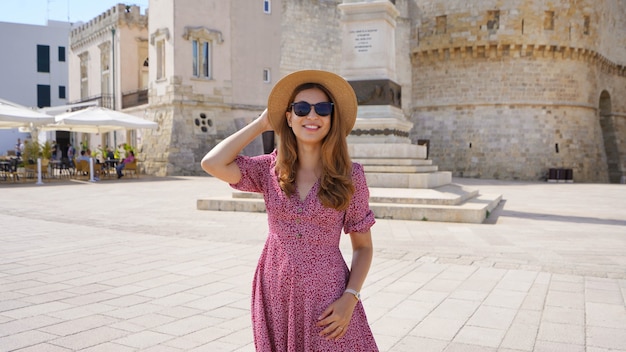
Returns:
<point x="33" y="68"/>
<point x="108" y="60"/>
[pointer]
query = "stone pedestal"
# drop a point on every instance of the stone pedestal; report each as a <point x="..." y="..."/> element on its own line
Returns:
<point x="380" y="138"/>
<point x="369" y="64"/>
<point x="368" y="29"/>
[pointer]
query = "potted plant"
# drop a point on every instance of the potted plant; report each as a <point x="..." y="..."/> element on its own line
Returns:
<point x="46" y="150"/>
<point x="32" y="151"/>
<point x="46" y="155"/>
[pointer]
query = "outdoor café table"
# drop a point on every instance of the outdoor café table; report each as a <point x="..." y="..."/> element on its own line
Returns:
<point x="110" y="165"/>
<point x="5" y="167"/>
<point x="111" y="162"/>
<point x="56" y="165"/>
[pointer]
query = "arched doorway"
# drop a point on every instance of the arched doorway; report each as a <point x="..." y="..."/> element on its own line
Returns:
<point x="607" y="124"/>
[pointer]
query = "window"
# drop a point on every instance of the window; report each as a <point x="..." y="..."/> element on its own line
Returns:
<point x="267" y="77"/>
<point x="493" y="20"/>
<point x="195" y="57"/>
<point x="586" y="25"/>
<point x="442" y="23"/>
<point x="548" y="21"/>
<point x="158" y="39"/>
<point x="43" y="95"/>
<point x="206" y="51"/>
<point x="84" y="86"/>
<point x="105" y="74"/>
<point x="201" y="58"/>
<point x="43" y="58"/>
<point x="160" y="45"/>
<point x="202" y="40"/>
<point x="267" y="6"/>
<point x="61" y="92"/>
<point x="61" y="54"/>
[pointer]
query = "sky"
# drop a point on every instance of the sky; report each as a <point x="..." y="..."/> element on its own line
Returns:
<point x="39" y="11"/>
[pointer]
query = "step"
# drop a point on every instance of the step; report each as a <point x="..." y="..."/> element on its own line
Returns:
<point x="408" y="180"/>
<point x="474" y="211"/>
<point x="400" y="169"/>
<point x="392" y="161"/>
<point x="386" y="150"/>
<point x="451" y="203"/>
<point x="451" y="194"/>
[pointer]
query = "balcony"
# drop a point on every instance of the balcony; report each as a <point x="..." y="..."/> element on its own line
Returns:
<point x="135" y="98"/>
<point x="105" y="100"/>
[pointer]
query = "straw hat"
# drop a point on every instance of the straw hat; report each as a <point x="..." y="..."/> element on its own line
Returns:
<point x="342" y="95"/>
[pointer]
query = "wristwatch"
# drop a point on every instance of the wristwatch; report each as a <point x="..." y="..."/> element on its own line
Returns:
<point x="353" y="292"/>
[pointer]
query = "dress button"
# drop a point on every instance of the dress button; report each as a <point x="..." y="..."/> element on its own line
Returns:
<point x="297" y="221"/>
<point x="299" y="235"/>
<point x="299" y="210"/>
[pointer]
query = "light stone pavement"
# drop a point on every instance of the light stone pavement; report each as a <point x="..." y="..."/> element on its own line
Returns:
<point x="131" y="265"/>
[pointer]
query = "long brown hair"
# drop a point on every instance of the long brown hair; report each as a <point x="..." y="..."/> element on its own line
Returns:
<point x="336" y="186"/>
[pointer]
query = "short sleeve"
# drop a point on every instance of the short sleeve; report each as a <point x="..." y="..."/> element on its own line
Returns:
<point x="255" y="172"/>
<point x="359" y="217"/>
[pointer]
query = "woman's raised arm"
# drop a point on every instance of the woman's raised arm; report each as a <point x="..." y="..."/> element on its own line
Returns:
<point x="219" y="161"/>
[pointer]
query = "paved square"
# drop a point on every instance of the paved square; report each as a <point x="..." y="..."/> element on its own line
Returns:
<point x="131" y="265"/>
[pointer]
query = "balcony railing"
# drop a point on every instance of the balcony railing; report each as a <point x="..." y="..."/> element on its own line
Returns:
<point x="105" y="100"/>
<point x="135" y="98"/>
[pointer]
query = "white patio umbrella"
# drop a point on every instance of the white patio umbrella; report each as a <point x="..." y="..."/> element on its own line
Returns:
<point x="14" y="116"/>
<point x="97" y="119"/>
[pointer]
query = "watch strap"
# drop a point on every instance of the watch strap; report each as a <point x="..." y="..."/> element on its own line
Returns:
<point x="356" y="294"/>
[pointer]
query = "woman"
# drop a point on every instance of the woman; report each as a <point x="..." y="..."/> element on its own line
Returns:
<point x="129" y="159"/>
<point x="304" y="296"/>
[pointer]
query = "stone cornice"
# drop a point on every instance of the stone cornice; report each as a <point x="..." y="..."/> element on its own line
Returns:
<point x="519" y="50"/>
<point x="505" y="104"/>
<point x="96" y="35"/>
<point x="203" y="33"/>
<point x="379" y="132"/>
<point x="160" y="33"/>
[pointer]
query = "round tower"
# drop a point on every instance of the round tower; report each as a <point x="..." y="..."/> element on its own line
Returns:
<point x="512" y="89"/>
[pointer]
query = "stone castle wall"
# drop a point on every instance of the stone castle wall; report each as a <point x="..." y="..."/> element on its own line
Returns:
<point x="310" y="36"/>
<point x="507" y="123"/>
<point x="499" y="86"/>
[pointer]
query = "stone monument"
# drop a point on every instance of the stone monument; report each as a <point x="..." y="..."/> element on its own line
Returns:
<point x="380" y="139"/>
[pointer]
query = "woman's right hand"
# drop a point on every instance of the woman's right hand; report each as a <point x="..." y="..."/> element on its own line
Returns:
<point x="220" y="161"/>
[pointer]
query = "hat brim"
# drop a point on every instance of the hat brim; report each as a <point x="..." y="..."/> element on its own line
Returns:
<point x="341" y="91"/>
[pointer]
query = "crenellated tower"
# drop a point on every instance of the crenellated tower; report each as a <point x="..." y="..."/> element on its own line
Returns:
<point x="510" y="89"/>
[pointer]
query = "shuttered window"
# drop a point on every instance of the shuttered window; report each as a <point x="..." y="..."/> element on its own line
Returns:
<point x="43" y="58"/>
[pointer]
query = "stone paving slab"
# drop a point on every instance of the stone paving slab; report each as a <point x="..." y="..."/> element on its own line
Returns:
<point x="131" y="265"/>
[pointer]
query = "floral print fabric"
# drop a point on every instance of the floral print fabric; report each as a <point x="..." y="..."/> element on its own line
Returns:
<point x="301" y="270"/>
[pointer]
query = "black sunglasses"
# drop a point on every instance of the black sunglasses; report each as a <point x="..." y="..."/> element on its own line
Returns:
<point x="302" y="108"/>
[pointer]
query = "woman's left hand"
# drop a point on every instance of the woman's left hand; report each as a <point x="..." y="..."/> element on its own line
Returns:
<point x="336" y="317"/>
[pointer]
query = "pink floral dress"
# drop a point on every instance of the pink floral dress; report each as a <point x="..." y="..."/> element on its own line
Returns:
<point x="301" y="270"/>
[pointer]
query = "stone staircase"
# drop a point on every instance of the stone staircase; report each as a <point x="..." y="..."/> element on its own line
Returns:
<point x="403" y="184"/>
<point x="449" y="203"/>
